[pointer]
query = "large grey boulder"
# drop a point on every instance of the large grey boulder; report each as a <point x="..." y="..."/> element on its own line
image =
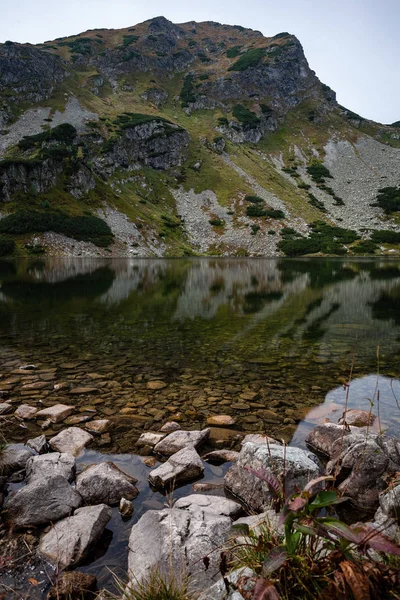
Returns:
<point x="14" y="458"/>
<point x="178" y="540"/>
<point x="177" y="440"/>
<point x="71" y="539"/>
<point x="72" y="441"/>
<point x="218" y="591"/>
<point x="182" y="466"/>
<point x="323" y="437"/>
<point x="217" y="505"/>
<point x="297" y="465"/>
<point x="105" y="484"/>
<point x="42" y="501"/>
<point x="49" y="465"/>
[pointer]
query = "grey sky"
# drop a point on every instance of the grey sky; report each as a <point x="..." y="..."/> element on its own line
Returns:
<point x="353" y="45"/>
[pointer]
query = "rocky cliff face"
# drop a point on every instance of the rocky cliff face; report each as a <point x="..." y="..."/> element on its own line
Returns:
<point x="198" y="137"/>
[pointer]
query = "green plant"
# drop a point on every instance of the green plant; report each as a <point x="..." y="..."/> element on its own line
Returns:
<point x="364" y="247"/>
<point x="318" y="172"/>
<point x="254" y="210"/>
<point x="312" y="554"/>
<point x="388" y="199"/>
<point x="187" y="92"/>
<point x="7" y="245"/>
<point x="254" y="199"/>
<point x="216" y="222"/>
<point x="245" y="116"/>
<point x="233" y="52"/>
<point x="386" y="236"/>
<point x="251" y="58"/>
<point x="156" y="586"/>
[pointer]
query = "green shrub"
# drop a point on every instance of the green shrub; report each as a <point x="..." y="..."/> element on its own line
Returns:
<point x="323" y="238"/>
<point x="6" y="245"/>
<point x="86" y="228"/>
<point x="271" y="232"/>
<point x="204" y="76"/>
<point x="223" y="121"/>
<point x="254" y="229"/>
<point x="317" y="203"/>
<point x="65" y="133"/>
<point x="251" y="58"/>
<point x="388" y="199"/>
<point x="187" y="92"/>
<point x="129" y="39"/>
<point x="303" y="186"/>
<point x="216" y="222"/>
<point x="254" y="199"/>
<point x="255" y="211"/>
<point x="245" y="116"/>
<point x="233" y="52"/>
<point x="364" y="247"/>
<point x="386" y="237"/>
<point x="266" y="110"/>
<point x="273" y="213"/>
<point x="318" y="172"/>
<point x="127" y="120"/>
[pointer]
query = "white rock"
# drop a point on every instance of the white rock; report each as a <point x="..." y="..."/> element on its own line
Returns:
<point x="259" y="438"/>
<point x="71" y="539"/>
<point x="178" y="440"/>
<point x="5" y="408"/>
<point x="25" y="411"/>
<point x="150" y="439"/>
<point x="56" y="413"/>
<point x="99" y="426"/>
<point x="105" y="484"/>
<point x="72" y="440"/>
<point x="217" y="505"/>
<point x="38" y="444"/>
<point x="49" y="465"/>
<point x="182" y="466"/>
<point x="170" y="426"/>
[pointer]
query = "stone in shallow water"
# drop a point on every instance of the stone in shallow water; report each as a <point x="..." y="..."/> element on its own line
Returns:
<point x="71" y="539"/>
<point x="358" y="418"/>
<point x="83" y="390"/>
<point x="221" y="456"/>
<point x="25" y="411"/>
<point x="5" y="408"/>
<point x="105" y="483"/>
<point x="150" y="439"/>
<point x="223" y="420"/>
<point x="72" y="441"/>
<point x="56" y="413"/>
<point x="125" y="507"/>
<point x="170" y="427"/>
<point x="181" y="439"/>
<point x="49" y="465"/>
<point x="259" y="438"/>
<point x="156" y="385"/>
<point x="181" y="466"/>
<point x="42" y="501"/>
<point x="100" y="426"/>
<point x="38" y="444"/>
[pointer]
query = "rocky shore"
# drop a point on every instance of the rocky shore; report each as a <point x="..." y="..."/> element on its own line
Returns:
<point x="60" y="512"/>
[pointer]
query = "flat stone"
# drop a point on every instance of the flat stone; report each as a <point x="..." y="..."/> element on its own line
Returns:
<point x="56" y="413"/>
<point x="221" y="456"/>
<point x="36" y="385"/>
<point x="38" y="444"/>
<point x="99" y="426"/>
<point x="104" y="483"/>
<point x="156" y="385"/>
<point x="71" y="539"/>
<point x="358" y="418"/>
<point x="150" y="439"/>
<point x="178" y="440"/>
<point x="223" y="420"/>
<point x="186" y="536"/>
<point x="76" y="419"/>
<point x="14" y="458"/>
<point x="181" y="466"/>
<point x="83" y="390"/>
<point x="42" y="501"/>
<point x="170" y="426"/>
<point x="207" y="487"/>
<point x="74" y="585"/>
<point x="217" y="505"/>
<point x="240" y="406"/>
<point x="150" y="461"/>
<point x="24" y="411"/>
<point x="5" y="408"/>
<point x="323" y="437"/>
<point x="49" y="465"/>
<point x="72" y="441"/>
<point x="259" y="438"/>
<point x="298" y="466"/>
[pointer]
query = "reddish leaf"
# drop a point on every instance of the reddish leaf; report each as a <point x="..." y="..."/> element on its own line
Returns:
<point x="277" y="557"/>
<point x="376" y="540"/>
<point x="296" y="504"/>
<point x="265" y="590"/>
<point x="272" y="482"/>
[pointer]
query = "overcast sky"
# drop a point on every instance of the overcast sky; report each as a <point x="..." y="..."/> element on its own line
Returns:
<point x="353" y="45"/>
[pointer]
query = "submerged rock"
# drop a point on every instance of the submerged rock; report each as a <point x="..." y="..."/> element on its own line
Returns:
<point x="170" y="426"/>
<point x="42" y="501"/>
<point x="221" y="456"/>
<point x="178" y="440"/>
<point x="99" y="426"/>
<point x="105" y="484"/>
<point x="223" y="420"/>
<point x="71" y="539"/>
<point x="357" y="418"/>
<point x="182" y="466"/>
<point x="323" y="437"/>
<point x="186" y="536"/>
<point x="5" y="408"/>
<point x="72" y="440"/>
<point x="25" y="411"/>
<point x="49" y="465"/>
<point x="299" y="466"/>
<point x="56" y="413"/>
<point x="125" y="507"/>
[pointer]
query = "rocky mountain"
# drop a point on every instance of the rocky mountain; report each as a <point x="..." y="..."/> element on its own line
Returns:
<point x="199" y="138"/>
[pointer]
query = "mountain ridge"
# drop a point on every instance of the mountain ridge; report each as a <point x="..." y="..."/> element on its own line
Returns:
<point x="196" y="138"/>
